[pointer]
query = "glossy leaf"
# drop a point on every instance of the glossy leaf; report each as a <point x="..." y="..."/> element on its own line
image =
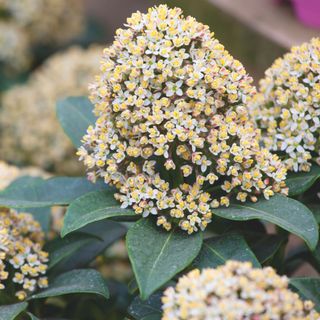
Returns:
<point x="32" y="316"/>
<point x="75" y="281"/>
<point x="60" y="249"/>
<point x="106" y="233"/>
<point x="308" y="288"/>
<point x="217" y="250"/>
<point x="315" y="208"/>
<point x="287" y="213"/>
<point x="265" y="246"/>
<point x="157" y="255"/>
<point x="10" y="312"/>
<point x="151" y="307"/>
<point x="152" y="317"/>
<point x="44" y="193"/>
<point x="75" y="115"/>
<point x="42" y="215"/>
<point x="301" y="181"/>
<point x="92" y="207"/>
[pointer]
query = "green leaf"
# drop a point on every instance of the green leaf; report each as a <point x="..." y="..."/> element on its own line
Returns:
<point x="217" y="250"/>
<point x="10" y="312"/>
<point x="106" y="233"/>
<point x="59" y="249"/>
<point x="315" y="208"/>
<point x="287" y="213"/>
<point x="316" y="257"/>
<point x="157" y="255"/>
<point x="42" y="215"/>
<point x="75" y="281"/>
<point x="32" y="316"/>
<point x="44" y="193"/>
<point x="140" y="309"/>
<point x="152" y="317"/>
<point x="75" y="115"/>
<point x="221" y="226"/>
<point x="265" y="246"/>
<point x="308" y="288"/>
<point x="92" y="207"/>
<point x="302" y="181"/>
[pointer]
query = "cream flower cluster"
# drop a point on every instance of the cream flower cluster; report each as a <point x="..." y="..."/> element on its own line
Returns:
<point x="29" y="131"/>
<point x="235" y="291"/>
<point x="22" y="260"/>
<point x="287" y="108"/>
<point x="14" y="51"/>
<point x="173" y="122"/>
<point x="25" y="23"/>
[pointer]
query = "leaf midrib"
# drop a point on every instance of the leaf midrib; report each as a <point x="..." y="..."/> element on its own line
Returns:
<point x="160" y="254"/>
<point x="215" y="252"/>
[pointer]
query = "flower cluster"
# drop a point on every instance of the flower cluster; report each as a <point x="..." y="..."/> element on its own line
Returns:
<point x="33" y="105"/>
<point x="14" y="52"/>
<point x="287" y="107"/>
<point x="173" y="123"/>
<point x="22" y="260"/>
<point x="24" y="23"/>
<point x="235" y="291"/>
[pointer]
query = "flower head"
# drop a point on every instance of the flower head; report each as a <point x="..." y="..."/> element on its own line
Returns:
<point x="287" y="107"/>
<point x="172" y="121"/>
<point x="234" y="291"/>
<point x="30" y="132"/>
<point x="22" y="260"/>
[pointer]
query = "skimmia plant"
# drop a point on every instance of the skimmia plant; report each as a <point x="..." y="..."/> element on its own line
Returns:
<point x="176" y="166"/>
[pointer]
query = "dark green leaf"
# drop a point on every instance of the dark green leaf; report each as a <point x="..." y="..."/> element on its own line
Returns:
<point x="308" y="288"/>
<point x="75" y="281"/>
<point x="59" y="249"/>
<point x="287" y="213"/>
<point x="32" y="316"/>
<point x="156" y="255"/>
<point x="302" y="181"/>
<point x="42" y="215"/>
<point x="75" y="115"/>
<point x="265" y="246"/>
<point x="92" y="207"/>
<point x="107" y="233"/>
<point x="217" y="250"/>
<point x="10" y="312"/>
<point x="316" y="257"/>
<point x="140" y="309"/>
<point x="54" y="191"/>
<point x="152" y="317"/>
<point x="315" y="208"/>
<point x="222" y="226"/>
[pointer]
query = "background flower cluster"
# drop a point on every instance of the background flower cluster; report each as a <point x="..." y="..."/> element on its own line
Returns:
<point x="28" y="23"/>
<point x="287" y="108"/>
